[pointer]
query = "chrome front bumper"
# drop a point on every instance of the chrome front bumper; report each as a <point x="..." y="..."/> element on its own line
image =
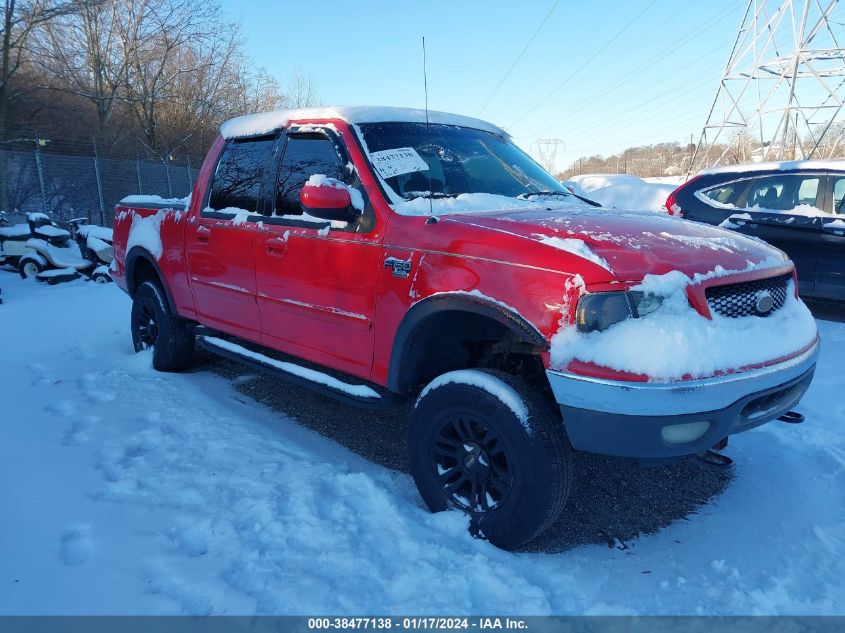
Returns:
<point x="627" y="418"/>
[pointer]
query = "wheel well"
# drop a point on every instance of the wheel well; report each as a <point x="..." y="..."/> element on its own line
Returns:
<point x="457" y="339"/>
<point x="142" y="270"/>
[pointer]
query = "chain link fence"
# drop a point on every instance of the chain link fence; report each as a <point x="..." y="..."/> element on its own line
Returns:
<point x="77" y="183"/>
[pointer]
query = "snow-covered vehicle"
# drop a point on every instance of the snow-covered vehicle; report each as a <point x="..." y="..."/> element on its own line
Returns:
<point x="47" y="252"/>
<point x="13" y="237"/>
<point x="377" y="255"/>
<point x="797" y="206"/>
<point x="95" y="245"/>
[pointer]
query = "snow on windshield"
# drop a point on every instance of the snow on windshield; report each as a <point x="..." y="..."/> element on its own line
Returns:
<point x="453" y="169"/>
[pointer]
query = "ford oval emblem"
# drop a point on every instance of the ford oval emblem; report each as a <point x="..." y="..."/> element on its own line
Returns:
<point x="765" y="302"/>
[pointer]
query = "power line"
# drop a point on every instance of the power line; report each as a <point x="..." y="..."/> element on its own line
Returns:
<point x="590" y="102"/>
<point x="587" y="62"/>
<point x="518" y="57"/>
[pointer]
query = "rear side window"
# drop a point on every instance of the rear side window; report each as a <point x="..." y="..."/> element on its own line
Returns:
<point x="305" y="155"/>
<point x="240" y="172"/>
<point x="839" y="196"/>
<point x="725" y="194"/>
<point x="783" y="193"/>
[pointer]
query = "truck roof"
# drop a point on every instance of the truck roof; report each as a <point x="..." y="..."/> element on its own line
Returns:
<point x="266" y="122"/>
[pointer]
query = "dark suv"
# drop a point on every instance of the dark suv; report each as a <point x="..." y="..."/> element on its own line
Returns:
<point x="798" y="206"/>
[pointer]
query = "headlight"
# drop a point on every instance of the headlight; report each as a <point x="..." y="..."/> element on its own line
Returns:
<point x="645" y="303"/>
<point x="597" y="312"/>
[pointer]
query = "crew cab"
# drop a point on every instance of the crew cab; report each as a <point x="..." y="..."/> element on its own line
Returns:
<point x="377" y="255"/>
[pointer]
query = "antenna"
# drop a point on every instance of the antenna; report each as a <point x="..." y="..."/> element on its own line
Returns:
<point x="425" y="88"/>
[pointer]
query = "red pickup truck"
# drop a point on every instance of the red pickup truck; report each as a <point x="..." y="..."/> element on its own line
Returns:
<point x="376" y="254"/>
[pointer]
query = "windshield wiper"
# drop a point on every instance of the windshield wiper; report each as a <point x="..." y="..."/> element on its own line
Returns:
<point x="529" y="194"/>
<point x="413" y="195"/>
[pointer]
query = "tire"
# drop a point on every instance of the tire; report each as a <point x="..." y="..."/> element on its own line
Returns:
<point x="28" y="267"/>
<point x="155" y="326"/>
<point x="101" y="278"/>
<point x="517" y="454"/>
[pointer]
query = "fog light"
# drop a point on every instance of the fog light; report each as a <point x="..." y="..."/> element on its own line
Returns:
<point x="684" y="433"/>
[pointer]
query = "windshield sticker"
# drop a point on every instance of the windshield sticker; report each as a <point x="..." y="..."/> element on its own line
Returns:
<point x="395" y="162"/>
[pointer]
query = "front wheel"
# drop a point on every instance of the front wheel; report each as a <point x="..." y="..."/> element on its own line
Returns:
<point x="155" y="326"/>
<point x="488" y="444"/>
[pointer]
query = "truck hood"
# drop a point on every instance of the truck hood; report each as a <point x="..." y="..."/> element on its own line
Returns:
<point x="630" y="244"/>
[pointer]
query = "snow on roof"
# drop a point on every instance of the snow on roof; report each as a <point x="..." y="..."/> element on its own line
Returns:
<point x="784" y="165"/>
<point x="266" y="122"/>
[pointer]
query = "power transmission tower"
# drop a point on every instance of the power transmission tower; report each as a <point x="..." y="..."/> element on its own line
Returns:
<point x="782" y="92"/>
<point x="546" y="149"/>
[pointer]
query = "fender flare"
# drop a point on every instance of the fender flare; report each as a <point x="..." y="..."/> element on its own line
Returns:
<point x="137" y="253"/>
<point x="452" y="302"/>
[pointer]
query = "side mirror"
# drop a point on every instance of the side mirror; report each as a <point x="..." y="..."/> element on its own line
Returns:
<point x="327" y="202"/>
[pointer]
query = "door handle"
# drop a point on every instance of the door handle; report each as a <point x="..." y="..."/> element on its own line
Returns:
<point x="203" y="234"/>
<point x="276" y="246"/>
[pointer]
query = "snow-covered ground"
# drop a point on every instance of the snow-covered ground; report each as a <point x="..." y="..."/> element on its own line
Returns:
<point x="131" y="491"/>
<point x="625" y="191"/>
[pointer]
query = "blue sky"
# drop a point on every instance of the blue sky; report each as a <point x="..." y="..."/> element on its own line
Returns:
<point x="600" y="75"/>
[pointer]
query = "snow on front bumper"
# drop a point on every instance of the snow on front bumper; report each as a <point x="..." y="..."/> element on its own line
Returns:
<point x="665" y="419"/>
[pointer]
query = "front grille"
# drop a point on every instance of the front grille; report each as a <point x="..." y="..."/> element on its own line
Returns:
<point x="744" y="299"/>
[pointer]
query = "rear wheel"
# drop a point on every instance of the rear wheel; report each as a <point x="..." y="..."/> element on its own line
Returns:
<point x="154" y="326"/>
<point x="486" y="443"/>
<point x="101" y="278"/>
<point x="28" y="267"/>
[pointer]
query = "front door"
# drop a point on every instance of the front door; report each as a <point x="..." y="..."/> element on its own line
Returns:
<point x="784" y="212"/>
<point x="316" y="280"/>
<point x="220" y="243"/>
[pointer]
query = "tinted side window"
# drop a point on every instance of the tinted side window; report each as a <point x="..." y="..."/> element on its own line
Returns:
<point x="305" y="155"/>
<point x="725" y="194"/>
<point x="240" y="172"/>
<point x="783" y="193"/>
<point x="839" y="196"/>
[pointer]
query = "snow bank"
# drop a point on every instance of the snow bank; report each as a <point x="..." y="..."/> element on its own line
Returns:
<point x="267" y="122"/>
<point x="177" y="494"/>
<point x="623" y="191"/>
<point x="675" y="340"/>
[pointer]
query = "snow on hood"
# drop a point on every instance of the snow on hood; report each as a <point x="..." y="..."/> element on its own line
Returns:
<point x="676" y="341"/>
<point x="630" y="244"/>
<point x="267" y="122"/>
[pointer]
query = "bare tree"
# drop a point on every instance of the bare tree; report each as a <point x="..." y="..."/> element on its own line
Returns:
<point x="301" y="90"/>
<point x="20" y="19"/>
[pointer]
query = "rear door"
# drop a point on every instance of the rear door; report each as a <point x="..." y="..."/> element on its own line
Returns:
<point x="830" y="270"/>
<point x="220" y="244"/>
<point x="316" y="280"/>
<point x="784" y="210"/>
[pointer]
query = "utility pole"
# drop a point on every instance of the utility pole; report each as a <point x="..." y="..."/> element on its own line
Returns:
<point x="784" y="81"/>
<point x="547" y="149"/>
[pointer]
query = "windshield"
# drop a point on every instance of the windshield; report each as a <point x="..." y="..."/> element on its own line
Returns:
<point x="418" y="160"/>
